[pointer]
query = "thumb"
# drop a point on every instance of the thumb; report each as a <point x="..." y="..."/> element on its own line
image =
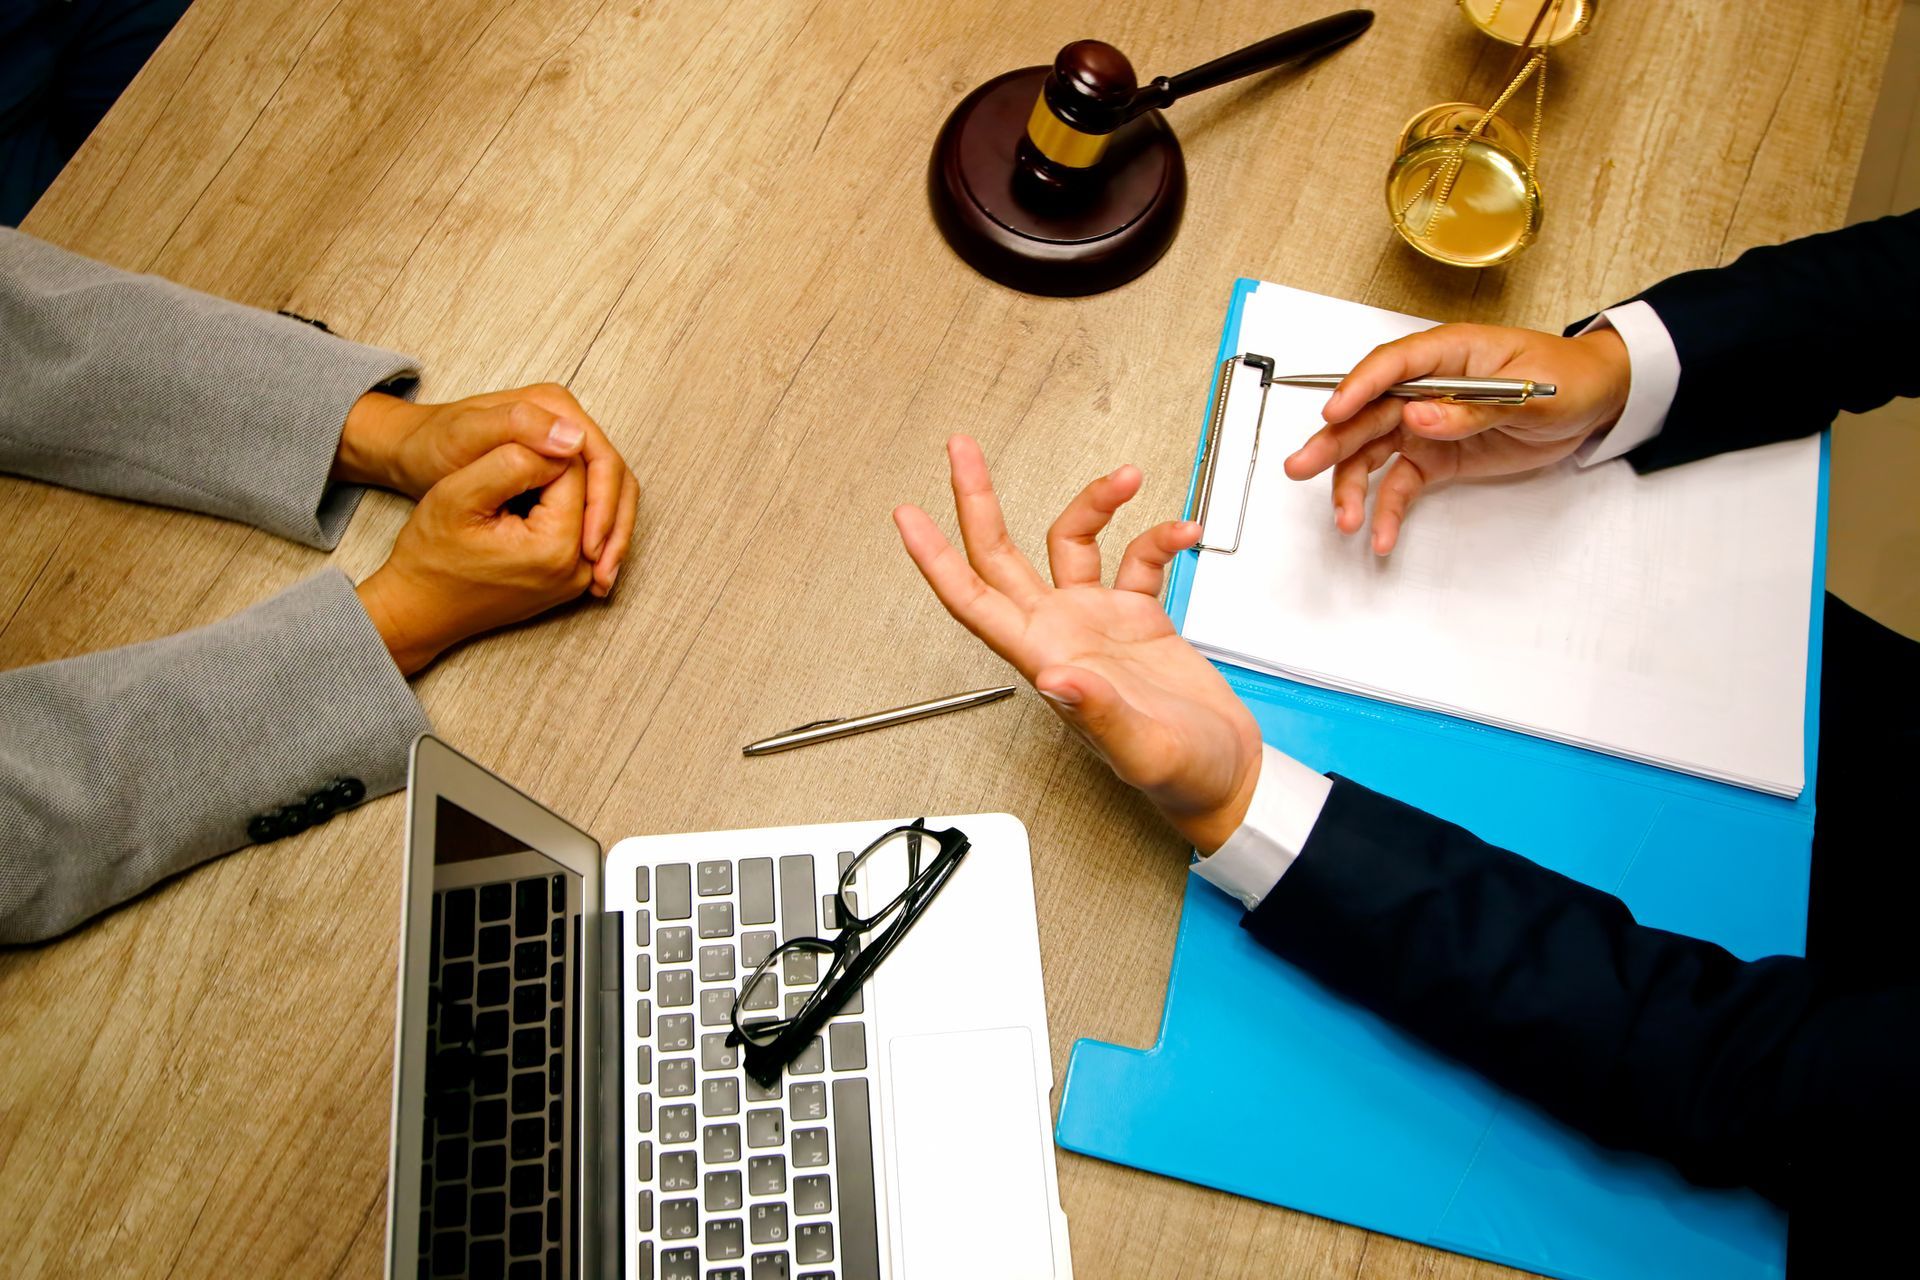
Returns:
<point x="1091" y="704"/>
<point x="500" y="475"/>
<point x="520" y="422"/>
<point x="1442" y="420"/>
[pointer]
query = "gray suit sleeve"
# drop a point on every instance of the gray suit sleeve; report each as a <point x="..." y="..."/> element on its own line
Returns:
<point x="120" y="768"/>
<point x="134" y="386"/>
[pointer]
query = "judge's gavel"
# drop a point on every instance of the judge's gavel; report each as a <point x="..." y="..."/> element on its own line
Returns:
<point x="1067" y="180"/>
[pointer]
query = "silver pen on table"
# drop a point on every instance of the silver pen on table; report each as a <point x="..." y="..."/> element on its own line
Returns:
<point x="1463" y="390"/>
<point x="824" y="730"/>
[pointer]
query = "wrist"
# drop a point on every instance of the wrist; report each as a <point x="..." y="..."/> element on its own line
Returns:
<point x="411" y="645"/>
<point x="1208" y="830"/>
<point x="1609" y="351"/>
<point x="370" y="441"/>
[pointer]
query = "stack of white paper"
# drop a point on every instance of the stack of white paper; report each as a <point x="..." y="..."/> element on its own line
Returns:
<point x="1661" y="618"/>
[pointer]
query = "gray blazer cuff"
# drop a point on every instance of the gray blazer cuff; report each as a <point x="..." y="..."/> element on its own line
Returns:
<point x="123" y="767"/>
<point x="134" y="386"/>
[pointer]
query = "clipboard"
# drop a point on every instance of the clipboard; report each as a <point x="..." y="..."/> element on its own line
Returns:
<point x="1317" y="1105"/>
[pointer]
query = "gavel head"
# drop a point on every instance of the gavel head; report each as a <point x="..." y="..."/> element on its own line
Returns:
<point x="1083" y="99"/>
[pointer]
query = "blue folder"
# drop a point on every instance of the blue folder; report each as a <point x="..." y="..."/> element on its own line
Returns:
<point x="1266" y="1085"/>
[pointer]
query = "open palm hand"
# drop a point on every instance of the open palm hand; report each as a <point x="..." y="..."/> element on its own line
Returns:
<point x="1107" y="658"/>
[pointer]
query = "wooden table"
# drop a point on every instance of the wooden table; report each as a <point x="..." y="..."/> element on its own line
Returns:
<point x="709" y="221"/>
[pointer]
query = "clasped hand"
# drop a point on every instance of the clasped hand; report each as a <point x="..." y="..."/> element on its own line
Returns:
<point x="470" y="559"/>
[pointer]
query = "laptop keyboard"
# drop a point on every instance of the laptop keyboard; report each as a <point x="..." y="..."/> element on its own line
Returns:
<point x="492" y="1187"/>
<point x="736" y="1181"/>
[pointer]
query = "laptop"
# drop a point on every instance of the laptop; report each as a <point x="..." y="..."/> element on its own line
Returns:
<point x="566" y="1103"/>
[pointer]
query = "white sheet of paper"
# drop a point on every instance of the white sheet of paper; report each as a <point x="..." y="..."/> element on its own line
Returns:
<point x="1662" y="618"/>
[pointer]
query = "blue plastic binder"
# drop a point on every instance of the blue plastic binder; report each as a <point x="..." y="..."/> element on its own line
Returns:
<point x="1265" y="1085"/>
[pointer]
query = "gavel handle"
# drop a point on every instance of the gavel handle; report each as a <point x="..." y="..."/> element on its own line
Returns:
<point x="1302" y="41"/>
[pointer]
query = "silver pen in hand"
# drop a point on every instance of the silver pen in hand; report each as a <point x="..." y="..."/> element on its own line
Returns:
<point x="1462" y="390"/>
<point x="824" y="730"/>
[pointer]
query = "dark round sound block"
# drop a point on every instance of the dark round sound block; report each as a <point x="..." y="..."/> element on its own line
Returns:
<point x="1111" y="225"/>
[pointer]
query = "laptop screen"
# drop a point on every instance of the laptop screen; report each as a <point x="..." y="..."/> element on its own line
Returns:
<point x="498" y="1172"/>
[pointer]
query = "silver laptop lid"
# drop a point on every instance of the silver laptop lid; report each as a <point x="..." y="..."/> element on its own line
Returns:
<point x="495" y="1061"/>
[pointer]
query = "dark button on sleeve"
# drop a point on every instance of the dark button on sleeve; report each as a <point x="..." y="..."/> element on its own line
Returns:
<point x="262" y="828"/>
<point x="349" y="791"/>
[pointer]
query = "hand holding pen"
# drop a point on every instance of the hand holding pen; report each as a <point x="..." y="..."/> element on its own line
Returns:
<point x="1439" y="441"/>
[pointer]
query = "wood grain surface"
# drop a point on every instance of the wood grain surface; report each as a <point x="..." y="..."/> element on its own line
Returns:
<point x="709" y="220"/>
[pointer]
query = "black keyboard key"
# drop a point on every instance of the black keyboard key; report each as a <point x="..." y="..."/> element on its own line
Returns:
<point x="556" y="1027"/>
<point x="796" y="897"/>
<point x="720" y="1097"/>
<point x="639" y="884"/>
<point x="529" y="1094"/>
<point x="646" y="1260"/>
<point x="813" y="1242"/>
<point x="756" y="891"/>
<point x="766" y="1175"/>
<point x="559" y="884"/>
<point x="491" y="991"/>
<point x="530" y="909"/>
<point x="676" y="1077"/>
<point x="766" y="1127"/>
<point x="451" y="1112"/>
<point x="530" y="1048"/>
<point x="770" y="1266"/>
<point x="720" y="1143"/>
<point x="716" y="963"/>
<point x="768" y="1223"/>
<point x="674" y="1033"/>
<point x="496" y="901"/>
<point x="490" y="1075"/>
<point x="456" y="1024"/>
<point x="677" y="1123"/>
<point x="722" y="1191"/>
<point x="812" y="1196"/>
<point x="490" y="1031"/>
<point x="527" y="1186"/>
<point x="496" y="940"/>
<point x="528" y="1137"/>
<point x="489" y="1121"/>
<point x="674" y="987"/>
<point x="800" y="968"/>
<point x="486" y="1260"/>
<point x="679" y="1171"/>
<point x="679" y="1264"/>
<point x="456" y="982"/>
<point x="673" y="945"/>
<point x="847" y="1045"/>
<point x="716" y="1054"/>
<point x="526" y="1233"/>
<point x="524" y="1269"/>
<point x="530" y="960"/>
<point x="853" y="1135"/>
<point x="679" y="1219"/>
<point x="643" y="1066"/>
<point x="553" y="1170"/>
<point x="756" y="947"/>
<point x="450" y="1159"/>
<point x="716" y="919"/>
<point x="557" y="938"/>
<point x="807" y="1101"/>
<point x="489" y="1167"/>
<point x="644" y="1211"/>
<point x="449" y="1253"/>
<point x="673" y="891"/>
<point x="715" y="878"/>
<point x="724" y="1240"/>
<point x="456" y="928"/>
<point x="489" y="1210"/>
<point x="450" y="1206"/>
<point x="810" y="1061"/>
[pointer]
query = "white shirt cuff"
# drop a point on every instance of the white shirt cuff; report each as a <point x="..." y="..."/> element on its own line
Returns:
<point x="1655" y="376"/>
<point x="1286" y="803"/>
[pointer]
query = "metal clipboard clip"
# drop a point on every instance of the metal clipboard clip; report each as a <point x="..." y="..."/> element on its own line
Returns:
<point x="1232" y="447"/>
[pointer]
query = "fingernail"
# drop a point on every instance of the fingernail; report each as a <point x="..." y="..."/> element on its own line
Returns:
<point x="566" y="435"/>
<point x="613" y="577"/>
<point x="1065" y="697"/>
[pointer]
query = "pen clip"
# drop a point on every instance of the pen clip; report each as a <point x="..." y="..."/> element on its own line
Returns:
<point x="812" y="724"/>
<point x="1521" y="396"/>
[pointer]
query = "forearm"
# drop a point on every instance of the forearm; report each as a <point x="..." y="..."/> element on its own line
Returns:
<point x="1776" y="344"/>
<point x="133" y="386"/>
<point x="1740" y="1073"/>
<point x="120" y="768"/>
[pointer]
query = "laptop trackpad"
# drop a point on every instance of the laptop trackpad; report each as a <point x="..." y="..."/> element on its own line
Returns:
<point x="969" y="1144"/>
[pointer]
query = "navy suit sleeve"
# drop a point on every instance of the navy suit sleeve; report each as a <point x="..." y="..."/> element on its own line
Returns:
<point x="1739" y="1072"/>
<point x="1775" y="344"/>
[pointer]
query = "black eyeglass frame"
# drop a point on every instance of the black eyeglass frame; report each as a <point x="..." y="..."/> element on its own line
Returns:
<point x="852" y="964"/>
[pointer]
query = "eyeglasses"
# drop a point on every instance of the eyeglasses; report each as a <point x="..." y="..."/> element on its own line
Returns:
<point x="890" y="867"/>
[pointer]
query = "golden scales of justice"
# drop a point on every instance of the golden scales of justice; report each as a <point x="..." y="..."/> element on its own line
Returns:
<point x="1463" y="187"/>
